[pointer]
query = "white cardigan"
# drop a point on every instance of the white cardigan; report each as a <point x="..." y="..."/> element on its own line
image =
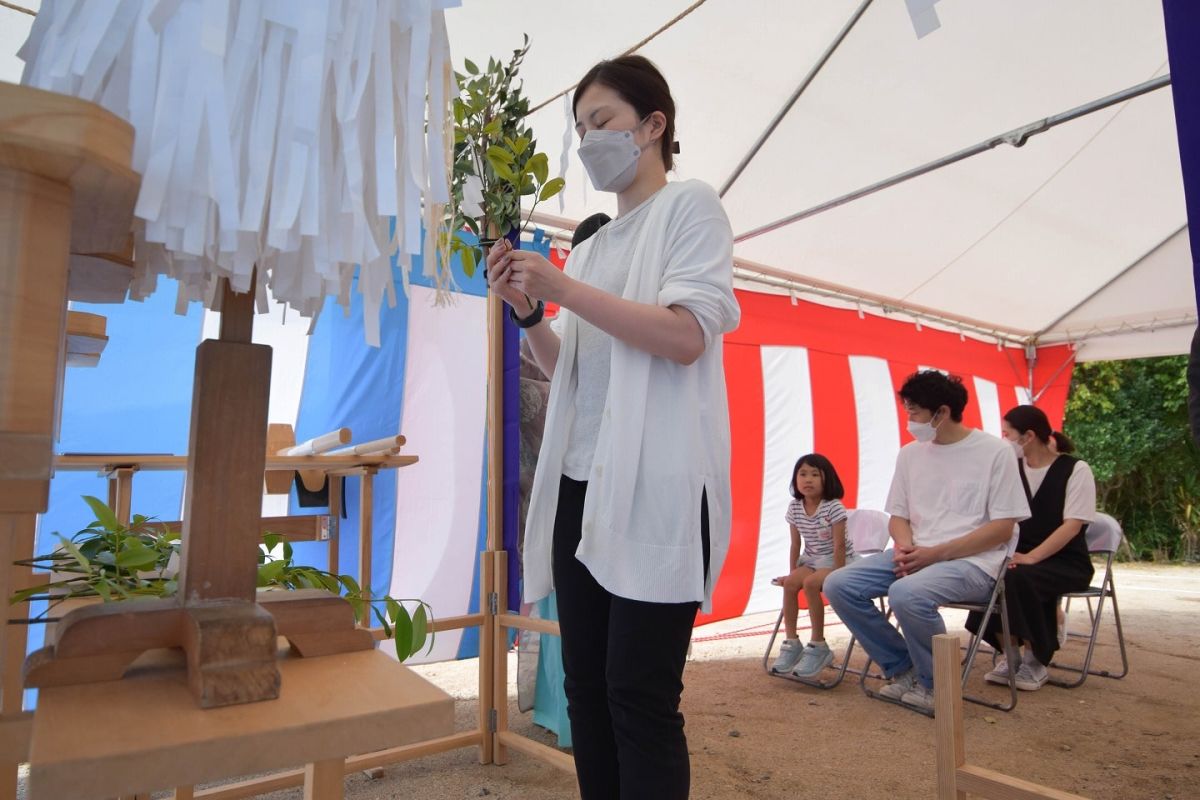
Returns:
<point x="664" y="436"/>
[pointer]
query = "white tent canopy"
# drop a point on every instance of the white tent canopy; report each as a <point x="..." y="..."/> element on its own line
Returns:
<point x="1080" y="235"/>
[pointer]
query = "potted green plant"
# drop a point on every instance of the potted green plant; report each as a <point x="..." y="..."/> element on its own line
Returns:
<point x="496" y="160"/>
<point x="109" y="562"/>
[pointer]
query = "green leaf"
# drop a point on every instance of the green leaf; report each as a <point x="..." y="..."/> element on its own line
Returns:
<point x="70" y="547"/>
<point x="521" y="145"/>
<point x="503" y="170"/>
<point x="493" y="127"/>
<point x="539" y="166"/>
<point x="551" y="188"/>
<point x="419" y="629"/>
<point x="104" y="514"/>
<point x="498" y="152"/>
<point x="468" y="261"/>
<point x="470" y="65"/>
<point x="383" y="622"/>
<point x="137" y="557"/>
<point x="269" y="573"/>
<point x="271" y="541"/>
<point x="403" y="626"/>
<point x="103" y="589"/>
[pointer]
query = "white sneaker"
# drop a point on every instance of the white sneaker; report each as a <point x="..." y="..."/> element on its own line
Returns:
<point x="1031" y="677"/>
<point x="816" y="657"/>
<point x="789" y="655"/>
<point x="999" y="673"/>
<point x="901" y="685"/>
<point x="920" y="697"/>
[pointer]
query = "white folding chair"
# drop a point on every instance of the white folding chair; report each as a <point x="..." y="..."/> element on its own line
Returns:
<point x="1104" y="537"/>
<point x="993" y="605"/>
<point x="868" y="532"/>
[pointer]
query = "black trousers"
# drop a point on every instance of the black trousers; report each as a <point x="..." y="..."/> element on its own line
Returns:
<point x="623" y="661"/>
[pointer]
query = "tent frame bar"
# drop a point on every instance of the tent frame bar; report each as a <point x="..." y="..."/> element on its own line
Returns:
<point x="787" y="107"/>
<point x="1016" y="137"/>
<point x="1112" y="280"/>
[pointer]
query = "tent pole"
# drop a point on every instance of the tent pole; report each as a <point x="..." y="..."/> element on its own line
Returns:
<point x="1035" y="397"/>
<point x="787" y="107"/>
<point x="1016" y="137"/>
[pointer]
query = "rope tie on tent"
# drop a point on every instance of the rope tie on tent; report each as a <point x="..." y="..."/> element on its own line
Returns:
<point x="677" y="18"/>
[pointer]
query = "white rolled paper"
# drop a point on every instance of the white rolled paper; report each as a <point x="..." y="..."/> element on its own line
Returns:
<point x="320" y="444"/>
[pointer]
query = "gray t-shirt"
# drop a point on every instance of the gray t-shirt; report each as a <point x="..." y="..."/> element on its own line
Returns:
<point x="605" y="266"/>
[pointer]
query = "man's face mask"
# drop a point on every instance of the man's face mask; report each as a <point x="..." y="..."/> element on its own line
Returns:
<point x="924" y="431"/>
<point x="611" y="158"/>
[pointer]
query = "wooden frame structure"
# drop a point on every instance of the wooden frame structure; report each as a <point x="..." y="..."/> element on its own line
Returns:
<point x="955" y="777"/>
<point x="66" y="198"/>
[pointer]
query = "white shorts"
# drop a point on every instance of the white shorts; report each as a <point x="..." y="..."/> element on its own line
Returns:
<point x="821" y="562"/>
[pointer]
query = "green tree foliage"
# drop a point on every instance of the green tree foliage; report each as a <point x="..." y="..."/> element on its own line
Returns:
<point x="1129" y="421"/>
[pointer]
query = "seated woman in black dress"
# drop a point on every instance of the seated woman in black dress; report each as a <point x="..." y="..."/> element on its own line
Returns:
<point x="1052" y="554"/>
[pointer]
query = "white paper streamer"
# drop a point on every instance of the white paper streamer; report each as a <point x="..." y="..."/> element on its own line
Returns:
<point x="269" y="133"/>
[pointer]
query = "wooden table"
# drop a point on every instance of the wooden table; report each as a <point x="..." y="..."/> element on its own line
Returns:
<point x="145" y="733"/>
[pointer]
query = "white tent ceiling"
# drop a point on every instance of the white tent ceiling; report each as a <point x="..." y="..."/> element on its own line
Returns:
<point x="1080" y="235"/>
<point x="1014" y="239"/>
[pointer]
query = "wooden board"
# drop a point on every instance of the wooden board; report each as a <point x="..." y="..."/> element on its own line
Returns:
<point x="86" y="338"/>
<point x="155" y="738"/>
<point x="99" y="277"/>
<point x="102" y="462"/>
<point x="80" y="145"/>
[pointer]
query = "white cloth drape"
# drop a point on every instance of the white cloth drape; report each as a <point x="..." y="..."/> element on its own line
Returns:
<point x="271" y="133"/>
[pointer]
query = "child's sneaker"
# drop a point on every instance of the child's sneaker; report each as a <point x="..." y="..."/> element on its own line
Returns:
<point x="816" y="657"/>
<point x="1031" y="677"/>
<point x="999" y="673"/>
<point x="901" y="685"/>
<point x="789" y="654"/>
<point x="920" y="697"/>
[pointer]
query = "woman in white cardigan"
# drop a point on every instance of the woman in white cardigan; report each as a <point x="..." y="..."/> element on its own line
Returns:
<point x="630" y="513"/>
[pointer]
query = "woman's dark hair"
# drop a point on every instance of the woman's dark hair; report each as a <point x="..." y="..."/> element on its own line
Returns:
<point x="831" y="484"/>
<point x="930" y="390"/>
<point x="641" y="85"/>
<point x="585" y="229"/>
<point x="1032" y="418"/>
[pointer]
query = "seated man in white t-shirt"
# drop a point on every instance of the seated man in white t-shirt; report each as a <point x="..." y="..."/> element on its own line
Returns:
<point x="955" y="498"/>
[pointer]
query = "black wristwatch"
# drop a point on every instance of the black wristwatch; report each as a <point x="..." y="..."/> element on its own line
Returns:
<point x="533" y="319"/>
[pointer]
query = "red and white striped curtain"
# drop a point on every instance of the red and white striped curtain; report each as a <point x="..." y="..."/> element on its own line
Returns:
<point x="808" y="378"/>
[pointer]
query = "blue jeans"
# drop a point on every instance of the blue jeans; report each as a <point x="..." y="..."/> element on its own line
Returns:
<point x="914" y="599"/>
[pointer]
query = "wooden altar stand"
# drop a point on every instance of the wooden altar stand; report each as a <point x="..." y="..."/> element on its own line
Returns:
<point x="66" y="198"/>
<point x="145" y="732"/>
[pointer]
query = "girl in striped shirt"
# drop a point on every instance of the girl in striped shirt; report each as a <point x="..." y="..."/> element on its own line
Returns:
<point x="817" y="517"/>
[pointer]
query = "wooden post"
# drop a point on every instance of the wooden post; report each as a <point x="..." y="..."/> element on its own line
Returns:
<point x="16" y="542"/>
<point x="948" y="716"/>
<point x="335" y="521"/>
<point x="366" y="514"/>
<point x="487" y="647"/>
<point x="500" y="680"/>
<point x="489" y="603"/>
<point x="35" y="217"/>
<point x="325" y="780"/>
<point x="65" y="185"/>
<point x="120" y="493"/>
<point x="229" y="639"/>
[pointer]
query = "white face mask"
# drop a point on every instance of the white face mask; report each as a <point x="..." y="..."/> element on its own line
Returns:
<point x="1017" y="448"/>
<point x="610" y="158"/>
<point x="922" y="431"/>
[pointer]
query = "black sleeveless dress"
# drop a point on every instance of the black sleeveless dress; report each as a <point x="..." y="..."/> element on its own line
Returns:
<point x="1032" y="591"/>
